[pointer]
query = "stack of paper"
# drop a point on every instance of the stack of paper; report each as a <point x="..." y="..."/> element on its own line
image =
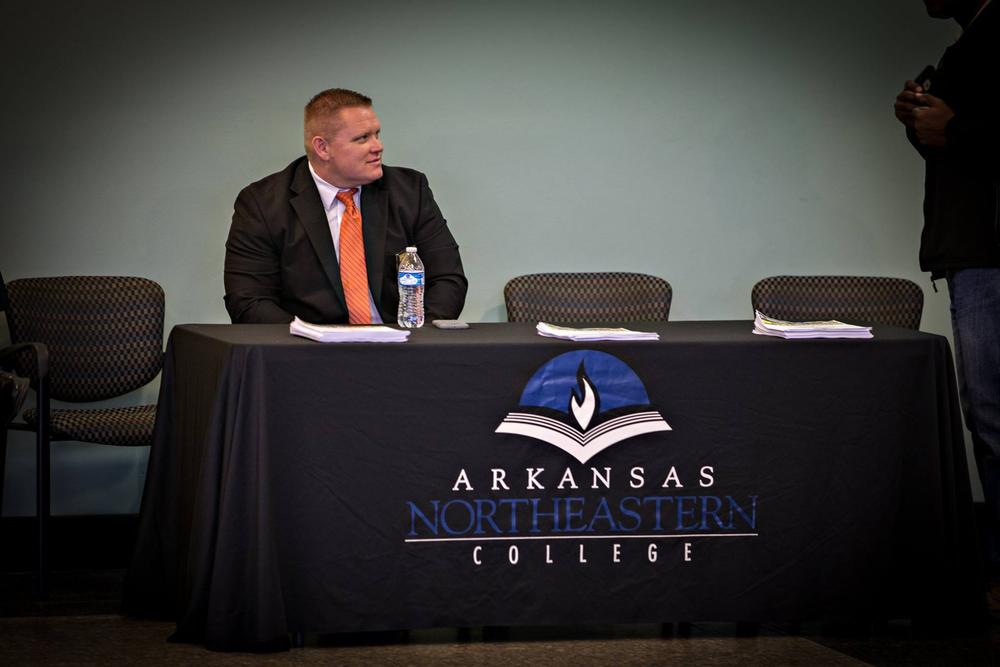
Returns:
<point x="347" y="333"/>
<point x="767" y="326"/>
<point x="553" y="331"/>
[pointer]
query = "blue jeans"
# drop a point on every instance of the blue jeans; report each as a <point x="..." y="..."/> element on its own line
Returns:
<point x="975" y="321"/>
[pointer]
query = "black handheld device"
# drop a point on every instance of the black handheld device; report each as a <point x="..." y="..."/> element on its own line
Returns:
<point x="924" y="78"/>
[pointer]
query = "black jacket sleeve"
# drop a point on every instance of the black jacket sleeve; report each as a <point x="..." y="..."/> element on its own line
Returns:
<point x="444" y="295"/>
<point x="252" y="273"/>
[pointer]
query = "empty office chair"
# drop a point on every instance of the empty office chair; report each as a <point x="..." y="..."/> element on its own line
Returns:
<point x="104" y="338"/>
<point x="581" y="298"/>
<point x="855" y="299"/>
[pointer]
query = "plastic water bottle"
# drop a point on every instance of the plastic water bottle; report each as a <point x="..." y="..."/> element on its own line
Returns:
<point x="411" y="290"/>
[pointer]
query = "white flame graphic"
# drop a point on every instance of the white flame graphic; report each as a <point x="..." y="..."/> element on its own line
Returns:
<point x="584" y="411"/>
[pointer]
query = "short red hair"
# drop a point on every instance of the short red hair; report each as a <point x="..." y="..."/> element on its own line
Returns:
<point x="322" y="109"/>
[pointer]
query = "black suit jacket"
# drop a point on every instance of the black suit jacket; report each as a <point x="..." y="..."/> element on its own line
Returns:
<point x="280" y="259"/>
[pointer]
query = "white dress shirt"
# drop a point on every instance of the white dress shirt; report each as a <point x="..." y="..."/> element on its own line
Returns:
<point x="334" y="212"/>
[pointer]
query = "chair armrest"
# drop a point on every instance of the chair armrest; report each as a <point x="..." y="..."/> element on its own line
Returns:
<point x="41" y="353"/>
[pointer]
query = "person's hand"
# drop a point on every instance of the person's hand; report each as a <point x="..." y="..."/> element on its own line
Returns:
<point x="907" y="101"/>
<point x="930" y="119"/>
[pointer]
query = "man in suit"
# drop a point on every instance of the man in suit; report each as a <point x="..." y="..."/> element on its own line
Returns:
<point x="317" y="238"/>
<point x="951" y="119"/>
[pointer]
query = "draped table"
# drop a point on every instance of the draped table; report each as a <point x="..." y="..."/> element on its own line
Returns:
<point x="491" y="476"/>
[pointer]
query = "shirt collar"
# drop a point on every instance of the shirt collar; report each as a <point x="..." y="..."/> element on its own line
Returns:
<point x="327" y="191"/>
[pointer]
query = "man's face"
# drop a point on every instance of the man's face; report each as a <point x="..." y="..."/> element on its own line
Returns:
<point x="353" y="153"/>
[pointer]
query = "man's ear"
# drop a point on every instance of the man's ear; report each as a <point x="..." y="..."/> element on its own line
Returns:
<point x="321" y="147"/>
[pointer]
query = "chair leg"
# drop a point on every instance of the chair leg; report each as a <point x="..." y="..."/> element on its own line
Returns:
<point x="3" y="463"/>
<point x="42" y="488"/>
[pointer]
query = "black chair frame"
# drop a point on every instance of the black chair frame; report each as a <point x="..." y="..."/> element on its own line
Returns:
<point x="40" y="383"/>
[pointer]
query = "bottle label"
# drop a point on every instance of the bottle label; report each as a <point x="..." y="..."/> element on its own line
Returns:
<point x="411" y="278"/>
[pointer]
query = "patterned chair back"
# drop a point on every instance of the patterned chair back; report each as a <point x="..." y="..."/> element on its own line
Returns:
<point x="856" y="299"/>
<point x="581" y="298"/>
<point x="104" y="333"/>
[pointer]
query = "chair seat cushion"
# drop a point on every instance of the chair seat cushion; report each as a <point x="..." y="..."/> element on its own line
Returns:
<point x="125" y="427"/>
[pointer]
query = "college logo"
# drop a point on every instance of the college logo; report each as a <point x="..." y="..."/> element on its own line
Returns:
<point x="583" y="402"/>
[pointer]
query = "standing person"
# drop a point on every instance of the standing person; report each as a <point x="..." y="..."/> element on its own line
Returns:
<point x="318" y="240"/>
<point x="952" y="121"/>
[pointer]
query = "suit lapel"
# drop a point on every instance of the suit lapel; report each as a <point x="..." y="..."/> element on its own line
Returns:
<point x="309" y="208"/>
<point x="374" y="220"/>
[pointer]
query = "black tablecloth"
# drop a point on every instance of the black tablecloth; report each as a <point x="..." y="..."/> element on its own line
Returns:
<point x="301" y="487"/>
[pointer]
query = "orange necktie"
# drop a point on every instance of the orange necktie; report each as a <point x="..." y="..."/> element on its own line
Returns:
<point x="353" y="271"/>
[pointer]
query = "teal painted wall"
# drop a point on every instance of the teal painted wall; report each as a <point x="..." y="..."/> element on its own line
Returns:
<point x="711" y="143"/>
